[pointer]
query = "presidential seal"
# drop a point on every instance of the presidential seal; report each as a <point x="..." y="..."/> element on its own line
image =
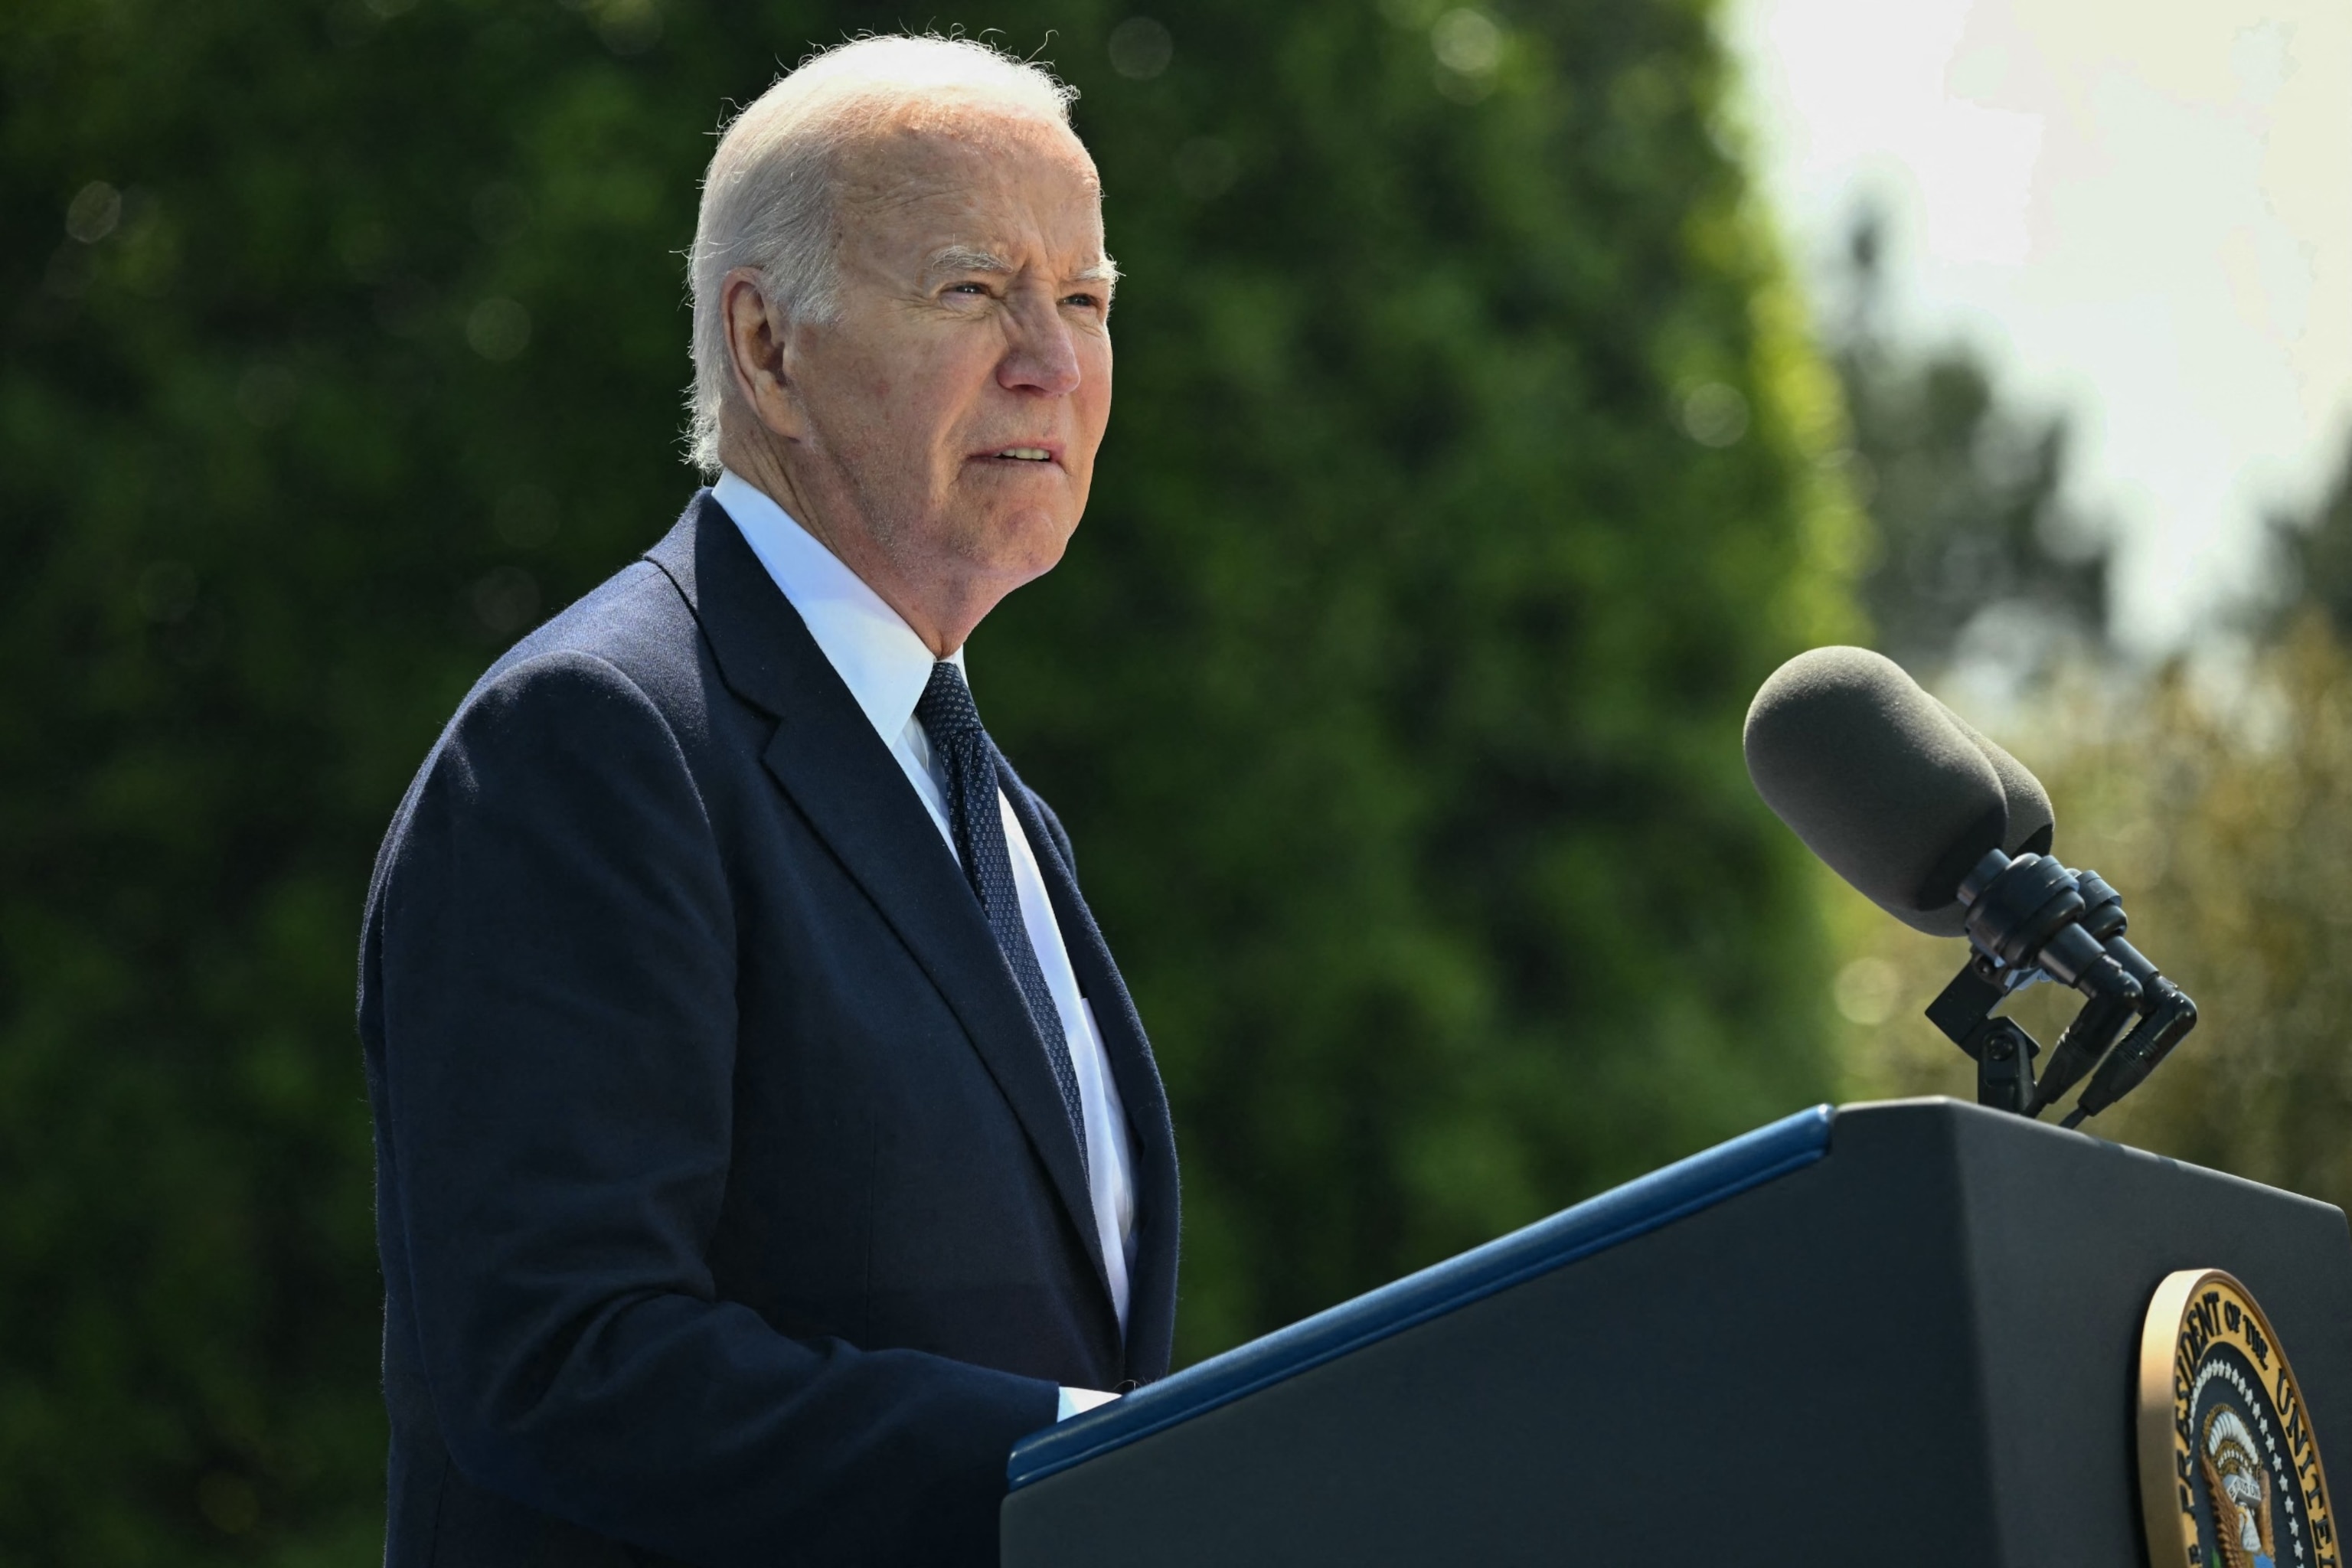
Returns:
<point x="2228" y="1466"/>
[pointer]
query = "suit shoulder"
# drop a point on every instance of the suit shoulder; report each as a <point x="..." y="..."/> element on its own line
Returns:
<point x="635" y="621"/>
<point x="637" y="630"/>
<point x="628" y="653"/>
<point x="622" y="666"/>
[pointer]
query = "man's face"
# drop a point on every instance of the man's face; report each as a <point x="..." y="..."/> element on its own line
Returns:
<point x="953" y="407"/>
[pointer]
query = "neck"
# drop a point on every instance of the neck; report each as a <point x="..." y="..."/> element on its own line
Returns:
<point x="942" y="612"/>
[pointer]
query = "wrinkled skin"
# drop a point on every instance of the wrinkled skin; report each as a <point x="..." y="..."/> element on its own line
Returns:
<point x="973" y="323"/>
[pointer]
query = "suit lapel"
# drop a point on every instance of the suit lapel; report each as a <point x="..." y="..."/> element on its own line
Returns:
<point x="1151" y="1296"/>
<point x="845" y="781"/>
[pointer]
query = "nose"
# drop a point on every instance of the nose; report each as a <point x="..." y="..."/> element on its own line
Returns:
<point x="1039" y="354"/>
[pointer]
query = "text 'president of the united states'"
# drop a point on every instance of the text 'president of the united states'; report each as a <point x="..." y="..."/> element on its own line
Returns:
<point x="765" y="1138"/>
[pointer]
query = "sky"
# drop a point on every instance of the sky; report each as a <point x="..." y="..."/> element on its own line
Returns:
<point x="2140" y="212"/>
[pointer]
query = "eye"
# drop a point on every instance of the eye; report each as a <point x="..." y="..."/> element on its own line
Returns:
<point x="974" y="288"/>
<point x="1083" y="302"/>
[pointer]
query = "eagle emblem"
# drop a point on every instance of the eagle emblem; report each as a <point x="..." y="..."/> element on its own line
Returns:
<point x="2240" y="1489"/>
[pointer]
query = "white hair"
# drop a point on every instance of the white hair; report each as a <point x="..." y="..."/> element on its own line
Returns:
<point x="769" y="198"/>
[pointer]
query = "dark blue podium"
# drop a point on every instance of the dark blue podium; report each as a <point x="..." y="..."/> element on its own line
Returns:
<point x="1892" y="1333"/>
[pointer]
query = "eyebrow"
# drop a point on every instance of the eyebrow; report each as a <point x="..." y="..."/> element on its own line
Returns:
<point x="968" y="259"/>
<point x="965" y="258"/>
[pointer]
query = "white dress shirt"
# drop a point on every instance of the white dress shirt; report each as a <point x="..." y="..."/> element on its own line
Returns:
<point x="885" y="666"/>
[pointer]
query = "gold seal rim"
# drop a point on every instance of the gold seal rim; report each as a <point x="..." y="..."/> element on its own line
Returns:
<point x="2159" y="1339"/>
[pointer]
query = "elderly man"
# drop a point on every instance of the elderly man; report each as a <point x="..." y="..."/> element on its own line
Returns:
<point x="766" y="1138"/>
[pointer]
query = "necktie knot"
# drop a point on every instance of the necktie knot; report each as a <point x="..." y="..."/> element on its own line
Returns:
<point x="948" y="713"/>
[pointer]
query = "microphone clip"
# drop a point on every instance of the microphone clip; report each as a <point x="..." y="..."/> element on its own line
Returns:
<point x="2031" y="919"/>
<point x="2003" y="1050"/>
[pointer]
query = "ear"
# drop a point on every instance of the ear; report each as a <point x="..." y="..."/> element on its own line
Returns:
<point x="758" y="352"/>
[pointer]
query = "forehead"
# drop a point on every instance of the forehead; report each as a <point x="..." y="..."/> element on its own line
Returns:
<point x="927" y="177"/>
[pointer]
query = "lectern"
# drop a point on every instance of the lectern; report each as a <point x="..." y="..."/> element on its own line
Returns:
<point x="1895" y="1334"/>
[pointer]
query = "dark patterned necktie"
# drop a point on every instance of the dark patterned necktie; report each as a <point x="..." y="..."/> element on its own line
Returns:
<point x="968" y="759"/>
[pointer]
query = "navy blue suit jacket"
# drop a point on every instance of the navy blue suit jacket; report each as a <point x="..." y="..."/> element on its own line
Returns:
<point x="728" y="1210"/>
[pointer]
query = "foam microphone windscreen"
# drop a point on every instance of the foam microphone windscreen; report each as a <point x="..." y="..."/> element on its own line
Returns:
<point x="2032" y="822"/>
<point x="1880" y="780"/>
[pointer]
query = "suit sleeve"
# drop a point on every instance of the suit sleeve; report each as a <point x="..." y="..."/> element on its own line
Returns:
<point x="558" y="969"/>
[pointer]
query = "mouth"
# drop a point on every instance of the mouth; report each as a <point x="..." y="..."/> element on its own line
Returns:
<point x="1025" y="456"/>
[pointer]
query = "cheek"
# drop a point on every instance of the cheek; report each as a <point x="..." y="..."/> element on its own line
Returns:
<point x="944" y="404"/>
<point x="908" y="445"/>
<point x="1093" y="388"/>
<point x="903" y="400"/>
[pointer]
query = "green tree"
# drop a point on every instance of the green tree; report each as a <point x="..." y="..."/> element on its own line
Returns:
<point x="1462" y="487"/>
<point x="1980" y="556"/>
<point x="2314" y="557"/>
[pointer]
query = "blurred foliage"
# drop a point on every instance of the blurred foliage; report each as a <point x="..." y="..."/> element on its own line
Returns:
<point x="2223" y="813"/>
<point x="2315" y="556"/>
<point x="2214" y="793"/>
<point x="1978" y="558"/>
<point x="1462" y="487"/>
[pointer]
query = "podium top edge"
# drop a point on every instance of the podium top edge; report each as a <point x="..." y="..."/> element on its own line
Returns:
<point x="1620" y="1215"/>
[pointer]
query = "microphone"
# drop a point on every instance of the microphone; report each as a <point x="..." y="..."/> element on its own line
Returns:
<point x="2165" y="1015"/>
<point x="1887" y="784"/>
<point x="1948" y="833"/>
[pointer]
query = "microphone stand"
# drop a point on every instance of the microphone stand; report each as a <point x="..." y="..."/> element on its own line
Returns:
<point x="2000" y="1048"/>
<point x="2031" y="919"/>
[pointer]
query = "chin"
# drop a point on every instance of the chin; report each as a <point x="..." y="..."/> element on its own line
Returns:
<point x="1022" y="545"/>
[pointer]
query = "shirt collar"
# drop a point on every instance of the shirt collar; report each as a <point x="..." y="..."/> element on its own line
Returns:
<point x="877" y="654"/>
